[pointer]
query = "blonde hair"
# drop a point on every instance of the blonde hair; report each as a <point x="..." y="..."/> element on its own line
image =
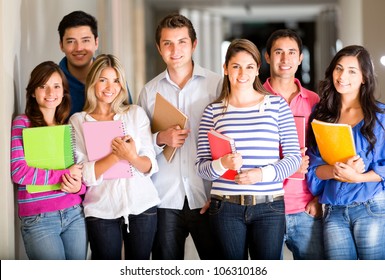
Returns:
<point x="103" y="61"/>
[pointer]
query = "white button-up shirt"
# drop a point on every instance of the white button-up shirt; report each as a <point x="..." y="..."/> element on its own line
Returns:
<point x="178" y="179"/>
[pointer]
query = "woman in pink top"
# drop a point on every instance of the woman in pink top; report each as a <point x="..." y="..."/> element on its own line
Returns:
<point x="52" y="222"/>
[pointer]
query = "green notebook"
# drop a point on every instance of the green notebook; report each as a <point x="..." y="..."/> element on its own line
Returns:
<point x="48" y="147"/>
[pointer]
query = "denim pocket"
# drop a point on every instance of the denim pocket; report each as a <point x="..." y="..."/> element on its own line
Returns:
<point x="277" y="206"/>
<point x="215" y="206"/>
<point x="376" y="206"/>
<point x="30" y="220"/>
<point x="313" y="217"/>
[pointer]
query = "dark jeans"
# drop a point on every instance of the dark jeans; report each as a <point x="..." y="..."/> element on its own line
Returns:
<point x="106" y="236"/>
<point x="242" y="230"/>
<point x="174" y="227"/>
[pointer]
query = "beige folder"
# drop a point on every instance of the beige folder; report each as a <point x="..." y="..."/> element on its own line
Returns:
<point x="165" y="116"/>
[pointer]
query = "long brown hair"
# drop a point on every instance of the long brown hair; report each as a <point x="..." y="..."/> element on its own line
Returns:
<point x="236" y="46"/>
<point x="329" y="107"/>
<point x="39" y="76"/>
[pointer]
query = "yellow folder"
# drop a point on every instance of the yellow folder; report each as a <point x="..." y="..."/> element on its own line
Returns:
<point x="335" y="141"/>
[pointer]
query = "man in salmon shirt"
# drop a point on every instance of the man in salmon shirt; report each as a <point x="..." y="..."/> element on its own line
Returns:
<point x="303" y="235"/>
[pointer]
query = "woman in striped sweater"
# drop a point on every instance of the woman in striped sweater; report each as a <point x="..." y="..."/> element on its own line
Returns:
<point x="52" y="222"/>
<point x="247" y="213"/>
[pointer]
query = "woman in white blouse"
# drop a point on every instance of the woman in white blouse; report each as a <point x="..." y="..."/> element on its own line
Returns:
<point x="121" y="208"/>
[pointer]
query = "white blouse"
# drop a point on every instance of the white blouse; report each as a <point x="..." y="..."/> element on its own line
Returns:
<point x="111" y="199"/>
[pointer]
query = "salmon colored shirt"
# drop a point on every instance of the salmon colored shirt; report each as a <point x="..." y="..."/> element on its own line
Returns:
<point x="297" y="194"/>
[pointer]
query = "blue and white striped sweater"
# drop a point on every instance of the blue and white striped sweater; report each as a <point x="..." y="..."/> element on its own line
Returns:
<point x="258" y="131"/>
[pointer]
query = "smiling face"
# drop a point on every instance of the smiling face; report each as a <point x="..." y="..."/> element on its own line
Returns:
<point x="347" y="76"/>
<point x="79" y="45"/>
<point x="241" y="70"/>
<point x="176" y="47"/>
<point x="285" y="57"/>
<point x="50" y="94"/>
<point x="108" y="86"/>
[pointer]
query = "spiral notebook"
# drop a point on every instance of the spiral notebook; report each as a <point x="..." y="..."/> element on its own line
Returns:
<point x="48" y="147"/>
<point x="98" y="137"/>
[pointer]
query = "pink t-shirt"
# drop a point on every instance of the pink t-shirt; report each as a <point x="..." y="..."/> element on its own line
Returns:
<point x="297" y="194"/>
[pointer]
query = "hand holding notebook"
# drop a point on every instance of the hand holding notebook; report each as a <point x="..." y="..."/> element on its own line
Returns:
<point x="335" y="141"/>
<point x="48" y="147"/>
<point x="98" y="137"/>
<point x="221" y="145"/>
<point x="165" y="116"/>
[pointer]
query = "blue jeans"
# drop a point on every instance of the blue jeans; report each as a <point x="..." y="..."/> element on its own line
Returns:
<point x="356" y="231"/>
<point x="304" y="236"/>
<point x="106" y="236"/>
<point x="242" y="230"/>
<point x="174" y="226"/>
<point x="58" y="235"/>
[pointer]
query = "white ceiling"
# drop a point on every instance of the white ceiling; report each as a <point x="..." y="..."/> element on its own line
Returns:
<point x="251" y="10"/>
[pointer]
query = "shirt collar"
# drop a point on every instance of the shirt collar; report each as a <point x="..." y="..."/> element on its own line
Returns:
<point x="302" y="92"/>
<point x="198" y="71"/>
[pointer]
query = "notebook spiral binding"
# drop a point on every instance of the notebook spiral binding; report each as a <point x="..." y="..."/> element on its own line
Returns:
<point x="125" y="133"/>
<point x="73" y="143"/>
<point x="123" y="128"/>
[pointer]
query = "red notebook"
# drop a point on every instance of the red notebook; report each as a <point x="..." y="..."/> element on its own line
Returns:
<point x="301" y="131"/>
<point x="221" y="145"/>
<point x="98" y="137"/>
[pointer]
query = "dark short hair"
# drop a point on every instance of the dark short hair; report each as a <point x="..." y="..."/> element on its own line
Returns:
<point x="175" y="21"/>
<point x="283" y="33"/>
<point x="75" y="19"/>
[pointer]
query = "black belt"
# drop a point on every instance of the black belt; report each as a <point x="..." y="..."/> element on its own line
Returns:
<point x="248" y="200"/>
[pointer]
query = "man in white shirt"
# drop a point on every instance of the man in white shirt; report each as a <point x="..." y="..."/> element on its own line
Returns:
<point x="184" y="195"/>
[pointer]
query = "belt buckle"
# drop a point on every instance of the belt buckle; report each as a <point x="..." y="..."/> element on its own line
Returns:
<point x="248" y="200"/>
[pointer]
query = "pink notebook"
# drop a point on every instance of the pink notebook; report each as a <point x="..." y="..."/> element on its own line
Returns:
<point x="98" y="137"/>
<point x="301" y="131"/>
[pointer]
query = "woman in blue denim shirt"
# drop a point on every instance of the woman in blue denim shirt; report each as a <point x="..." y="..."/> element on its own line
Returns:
<point x="352" y="191"/>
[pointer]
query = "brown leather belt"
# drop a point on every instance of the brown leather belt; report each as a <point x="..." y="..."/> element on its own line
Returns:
<point x="248" y="200"/>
